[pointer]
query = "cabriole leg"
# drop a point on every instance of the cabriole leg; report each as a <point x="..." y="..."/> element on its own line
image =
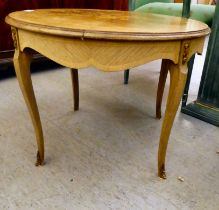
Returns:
<point x="22" y="62"/>
<point x="178" y="74"/>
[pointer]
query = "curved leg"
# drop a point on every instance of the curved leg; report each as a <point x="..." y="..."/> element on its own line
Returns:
<point x="75" y="86"/>
<point x="22" y="67"/>
<point x="126" y="76"/>
<point x="178" y="74"/>
<point x="161" y="85"/>
<point x="186" y="90"/>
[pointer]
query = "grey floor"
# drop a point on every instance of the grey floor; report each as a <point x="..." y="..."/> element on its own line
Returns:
<point x="104" y="156"/>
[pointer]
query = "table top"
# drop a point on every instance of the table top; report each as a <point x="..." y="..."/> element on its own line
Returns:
<point x="107" y="24"/>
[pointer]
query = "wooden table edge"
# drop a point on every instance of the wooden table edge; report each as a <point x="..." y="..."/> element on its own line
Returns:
<point x="91" y="34"/>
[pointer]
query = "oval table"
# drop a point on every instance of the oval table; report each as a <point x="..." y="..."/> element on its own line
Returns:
<point x="109" y="41"/>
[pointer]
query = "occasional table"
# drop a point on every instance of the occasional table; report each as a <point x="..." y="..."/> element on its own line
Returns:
<point x="109" y="41"/>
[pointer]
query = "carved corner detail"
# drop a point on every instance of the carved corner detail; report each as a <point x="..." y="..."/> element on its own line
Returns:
<point x="14" y="37"/>
<point x="185" y="52"/>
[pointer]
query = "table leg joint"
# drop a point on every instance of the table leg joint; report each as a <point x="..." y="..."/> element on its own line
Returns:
<point x="185" y="53"/>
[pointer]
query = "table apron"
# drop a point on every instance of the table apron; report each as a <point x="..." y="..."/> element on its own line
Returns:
<point x="105" y="55"/>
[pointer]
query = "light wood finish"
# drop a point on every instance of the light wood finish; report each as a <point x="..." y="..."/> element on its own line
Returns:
<point x="106" y="24"/>
<point x="178" y="75"/>
<point x="109" y="41"/>
<point x="75" y="53"/>
<point x="22" y="62"/>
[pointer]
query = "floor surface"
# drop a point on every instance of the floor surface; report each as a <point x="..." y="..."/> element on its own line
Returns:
<point x="104" y="156"/>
